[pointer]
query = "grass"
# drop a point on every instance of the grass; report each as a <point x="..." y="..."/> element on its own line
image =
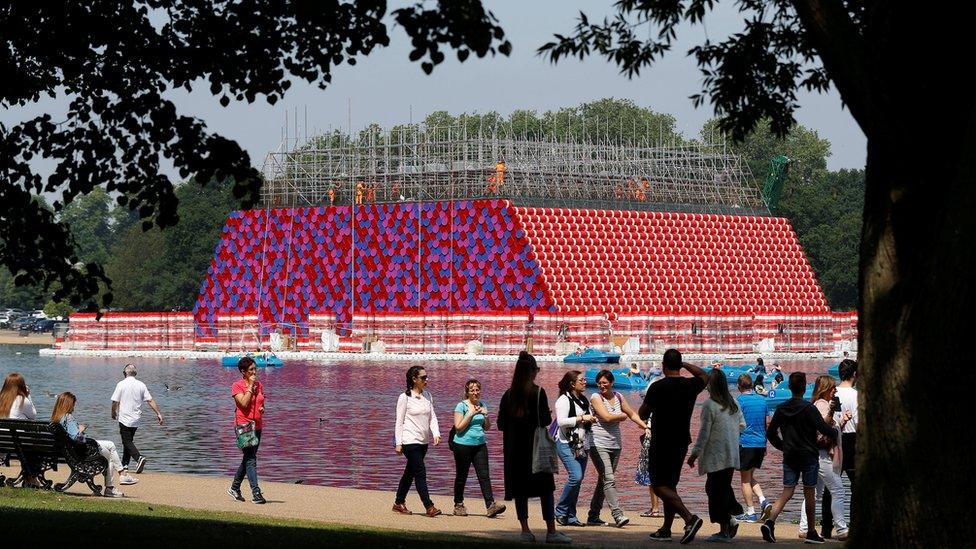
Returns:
<point x="42" y="517"/>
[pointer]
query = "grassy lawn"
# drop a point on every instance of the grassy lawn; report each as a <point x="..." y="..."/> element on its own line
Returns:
<point x="47" y="517"/>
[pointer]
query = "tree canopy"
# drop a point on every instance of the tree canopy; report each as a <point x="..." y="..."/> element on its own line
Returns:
<point x="115" y="62"/>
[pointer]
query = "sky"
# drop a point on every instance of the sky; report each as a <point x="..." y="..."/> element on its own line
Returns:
<point x="387" y="88"/>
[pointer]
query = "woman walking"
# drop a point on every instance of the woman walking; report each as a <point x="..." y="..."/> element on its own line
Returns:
<point x="573" y="439"/>
<point x="610" y="409"/>
<point x="416" y="425"/>
<point x="248" y="395"/>
<point x="831" y="458"/>
<point x="523" y="408"/>
<point x="64" y="406"/>
<point x="717" y="447"/>
<point x="470" y="447"/>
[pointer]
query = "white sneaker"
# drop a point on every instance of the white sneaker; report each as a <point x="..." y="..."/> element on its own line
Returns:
<point x="113" y="493"/>
<point x="558" y="538"/>
<point x="127" y="480"/>
<point x="141" y="464"/>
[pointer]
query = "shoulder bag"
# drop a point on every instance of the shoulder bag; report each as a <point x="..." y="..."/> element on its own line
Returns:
<point x="544" y="457"/>
<point x="246" y="435"/>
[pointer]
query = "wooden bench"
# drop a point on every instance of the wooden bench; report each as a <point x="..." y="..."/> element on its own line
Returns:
<point x="45" y="444"/>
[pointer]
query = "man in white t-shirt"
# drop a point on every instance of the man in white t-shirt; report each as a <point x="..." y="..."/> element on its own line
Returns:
<point x="127" y="401"/>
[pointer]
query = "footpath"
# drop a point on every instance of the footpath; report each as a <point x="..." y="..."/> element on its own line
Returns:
<point x="371" y="508"/>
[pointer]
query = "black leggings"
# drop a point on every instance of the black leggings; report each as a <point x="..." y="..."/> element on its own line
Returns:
<point x="722" y="505"/>
<point x="414" y="471"/>
<point x="464" y="456"/>
<point x="547" y="500"/>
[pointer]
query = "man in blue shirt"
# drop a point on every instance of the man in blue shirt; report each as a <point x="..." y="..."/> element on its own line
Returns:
<point x="752" y="449"/>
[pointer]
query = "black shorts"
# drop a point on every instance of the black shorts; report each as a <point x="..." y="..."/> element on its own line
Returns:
<point x="751" y="458"/>
<point x="664" y="463"/>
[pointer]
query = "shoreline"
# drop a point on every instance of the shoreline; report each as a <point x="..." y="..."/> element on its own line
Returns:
<point x="427" y="357"/>
<point x="371" y="509"/>
<point x="13" y="337"/>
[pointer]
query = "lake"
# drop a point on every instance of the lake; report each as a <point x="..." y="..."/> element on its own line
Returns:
<point x="328" y="423"/>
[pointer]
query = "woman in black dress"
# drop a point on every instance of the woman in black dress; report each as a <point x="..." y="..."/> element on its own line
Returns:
<point x="523" y="408"/>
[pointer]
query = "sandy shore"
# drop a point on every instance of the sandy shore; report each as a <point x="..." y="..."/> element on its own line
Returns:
<point x="11" y="337"/>
<point x="371" y="508"/>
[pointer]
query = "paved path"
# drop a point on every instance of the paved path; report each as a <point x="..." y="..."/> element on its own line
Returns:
<point x="372" y="508"/>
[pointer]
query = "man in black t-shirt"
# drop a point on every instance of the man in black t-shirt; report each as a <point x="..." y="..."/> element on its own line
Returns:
<point x="671" y="401"/>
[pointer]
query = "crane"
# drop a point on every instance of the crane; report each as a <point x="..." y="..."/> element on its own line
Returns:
<point x="779" y="168"/>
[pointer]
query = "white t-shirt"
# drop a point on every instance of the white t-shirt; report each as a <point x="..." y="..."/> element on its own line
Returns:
<point x="130" y="393"/>
<point x="22" y="408"/>
<point x="848" y="402"/>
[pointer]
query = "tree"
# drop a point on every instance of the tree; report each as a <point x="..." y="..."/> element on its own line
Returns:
<point x="916" y="252"/>
<point x="115" y="62"/>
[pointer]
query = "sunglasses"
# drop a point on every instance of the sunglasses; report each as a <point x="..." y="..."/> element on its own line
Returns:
<point x="423" y="377"/>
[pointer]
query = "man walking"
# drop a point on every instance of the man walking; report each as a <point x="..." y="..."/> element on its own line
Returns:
<point x="752" y="450"/>
<point x="127" y="401"/>
<point x="671" y="400"/>
<point x="793" y="430"/>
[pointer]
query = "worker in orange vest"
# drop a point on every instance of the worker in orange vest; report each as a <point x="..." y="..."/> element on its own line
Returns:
<point x="359" y="192"/>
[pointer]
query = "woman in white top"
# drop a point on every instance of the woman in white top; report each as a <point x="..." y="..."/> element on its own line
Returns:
<point x="15" y="403"/>
<point x="573" y="439"/>
<point x="831" y="456"/>
<point x="416" y="424"/>
<point x="610" y="409"/>
<point x="717" y="447"/>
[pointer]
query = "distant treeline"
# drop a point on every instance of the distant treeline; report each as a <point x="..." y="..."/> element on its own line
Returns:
<point x="162" y="270"/>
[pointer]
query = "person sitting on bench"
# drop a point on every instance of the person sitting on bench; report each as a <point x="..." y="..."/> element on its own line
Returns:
<point x="15" y="403"/>
<point x="63" y="407"/>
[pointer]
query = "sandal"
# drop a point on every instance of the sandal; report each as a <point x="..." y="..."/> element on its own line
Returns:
<point x="652" y="514"/>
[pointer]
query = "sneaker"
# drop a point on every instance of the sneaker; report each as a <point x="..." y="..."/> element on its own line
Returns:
<point x="258" y="498"/>
<point x="751" y="517"/>
<point x="595" y="521"/>
<point x="460" y="510"/>
<point x="236" y="494"/>
<point x="141" y="464"/>
<point x="718" y="538"/>
<point x="813" y="537"/>
<point x="402" y="509"/>
<point x="527" y="537"/>
<point x="733" y="528"/>
<point x="113" y="493"/>
<point x="621" y="521"/>
<point x="692" y="528"/>
<point x="767" y="509"/>
<point x="558" y="537"/>
<point x="126" y="480"/>
<point x="495" y="509"/>
<point x="566" y="521"/>
<point x="660" y="535"/>
<point x="842" y="534"/>
<point x="768" y="530"/>
<point x="433" y="511"/>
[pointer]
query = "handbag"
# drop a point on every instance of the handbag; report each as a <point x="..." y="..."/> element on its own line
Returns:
<point x="246" y="435"/>
<point x="643" y="475"/>
<point x="450" y="436"/>
<point x="544" y="457"/>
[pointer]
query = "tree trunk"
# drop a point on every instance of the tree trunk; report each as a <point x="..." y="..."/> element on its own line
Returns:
<point x="915" y="482"/>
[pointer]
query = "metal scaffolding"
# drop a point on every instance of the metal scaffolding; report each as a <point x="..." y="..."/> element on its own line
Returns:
<point x="420" y="163"/>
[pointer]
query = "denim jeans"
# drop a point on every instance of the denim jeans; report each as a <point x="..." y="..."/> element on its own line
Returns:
<point x="828" y="478"/>
<point x="415" y="471"/>
<point x="605" y="460"/>
<point x="129" y="450"/>
<point x="248" y="467"/>
<point x="575" y="470"/>
<point x="464" y="456"/>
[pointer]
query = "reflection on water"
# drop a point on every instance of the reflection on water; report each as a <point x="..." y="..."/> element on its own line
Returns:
<point x="325" y="423"/>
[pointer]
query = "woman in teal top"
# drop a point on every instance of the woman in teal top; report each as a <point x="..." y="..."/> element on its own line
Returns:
<point x="470" y="446"/>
